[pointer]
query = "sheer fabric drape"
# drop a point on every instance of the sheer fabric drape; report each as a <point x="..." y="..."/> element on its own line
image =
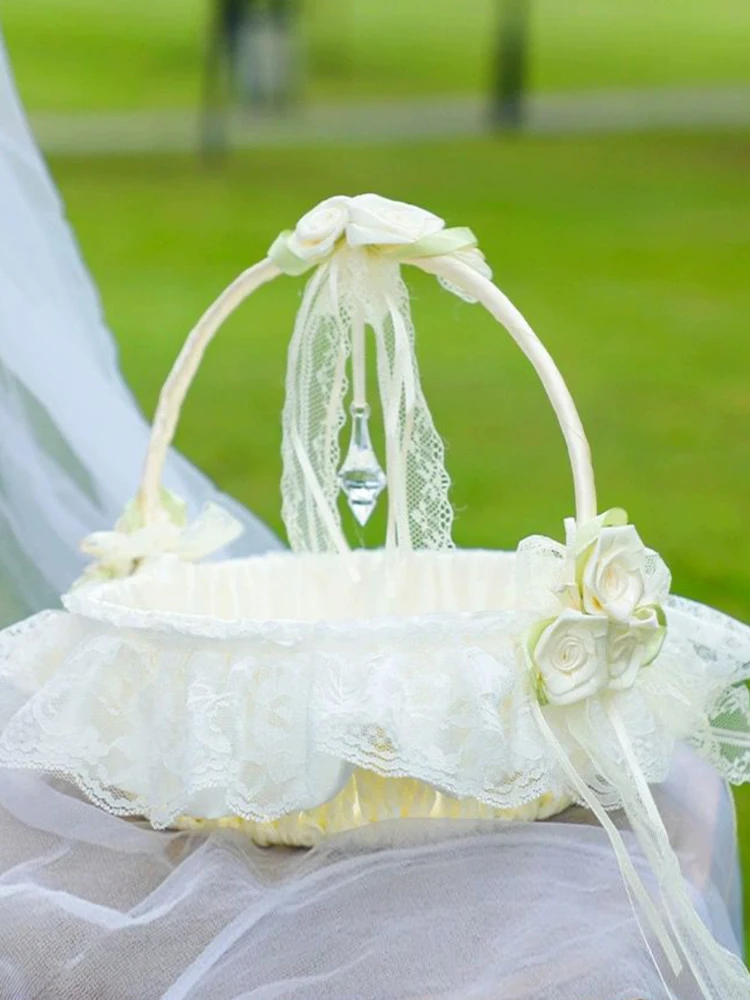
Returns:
<point x="93" y="906"/>
<point x="72" y="440"/>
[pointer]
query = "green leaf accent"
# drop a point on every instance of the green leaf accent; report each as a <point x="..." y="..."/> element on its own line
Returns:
<point x="531" y="640"/>
<point x="537" y="684"/>
<point x="175" y="507"/>
<point x="615" y="517"/>
<point x="657" y="641"/>
<point x="132" y="517"/>
<point x="581" y="559"/>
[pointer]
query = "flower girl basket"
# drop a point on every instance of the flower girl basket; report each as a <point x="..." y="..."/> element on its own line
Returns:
<point x="296" y="695"/>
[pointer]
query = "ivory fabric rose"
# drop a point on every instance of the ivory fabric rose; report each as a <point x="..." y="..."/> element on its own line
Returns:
<point x="317" y="232"/>
<point x="377" y="221"/>
<point x="613" y="573"/>
<point x="634" y="645"/>
<point x="570" y="656"/>
<point x="368" y="221"/>
<point x="610" y="590"/>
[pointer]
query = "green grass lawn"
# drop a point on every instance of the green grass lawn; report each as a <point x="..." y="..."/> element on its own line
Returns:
<point x="628" y="255"/>
<point x="74" y="54"/>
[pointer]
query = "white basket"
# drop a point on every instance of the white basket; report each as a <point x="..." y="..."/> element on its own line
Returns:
<point x="301" y="616"/>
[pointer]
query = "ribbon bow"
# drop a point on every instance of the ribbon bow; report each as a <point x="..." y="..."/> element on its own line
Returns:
<point x="120" y="552"/>
<point x="393" y="229"/>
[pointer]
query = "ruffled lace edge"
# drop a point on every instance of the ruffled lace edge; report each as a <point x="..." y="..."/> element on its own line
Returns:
<point x="254" y="730"/>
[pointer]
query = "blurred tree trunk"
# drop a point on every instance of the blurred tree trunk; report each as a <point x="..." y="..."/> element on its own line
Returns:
<point x="511" y="64"/>
<point x="220" y="29"/>
<point x="252" y="57"/>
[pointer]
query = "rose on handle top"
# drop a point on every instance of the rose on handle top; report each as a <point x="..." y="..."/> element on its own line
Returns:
<point x="394" y="228"/>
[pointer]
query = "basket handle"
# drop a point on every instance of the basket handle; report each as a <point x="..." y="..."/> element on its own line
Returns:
<point x="457" y="273"/>
<point x="180" y="378"/>
<point x="449" y="268"/>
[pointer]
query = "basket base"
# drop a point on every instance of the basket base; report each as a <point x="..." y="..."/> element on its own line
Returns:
<point x="371" y="798"/>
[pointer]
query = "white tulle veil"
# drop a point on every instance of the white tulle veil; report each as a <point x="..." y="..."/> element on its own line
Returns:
<point x="60" y="478"/>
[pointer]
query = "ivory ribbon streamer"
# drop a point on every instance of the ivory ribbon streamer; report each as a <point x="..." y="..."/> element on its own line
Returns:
<point x="635" y="887"/>
<point x="718" y="973"/>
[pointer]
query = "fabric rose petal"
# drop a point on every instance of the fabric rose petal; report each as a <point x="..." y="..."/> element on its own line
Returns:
<point x="570" y="655"/>
<point x="316" y="233"/>
<point x="378" y="221"/>
<point x="611" y="622"/>
<point x="395" y="229"/>
<point x="613" y="573"/>
<point x="634" y="645"/>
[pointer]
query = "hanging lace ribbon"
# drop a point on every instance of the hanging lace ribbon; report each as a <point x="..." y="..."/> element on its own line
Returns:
<point x="356" y="245"/>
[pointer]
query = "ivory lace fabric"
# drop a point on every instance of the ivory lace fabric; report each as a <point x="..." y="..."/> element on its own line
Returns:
<point x="93" y="906"/>
<point x="346" y="294"/>
<point x="214" y="690"/>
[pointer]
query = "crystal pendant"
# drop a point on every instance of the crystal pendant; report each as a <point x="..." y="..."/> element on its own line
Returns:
<point x="361" y="476"/>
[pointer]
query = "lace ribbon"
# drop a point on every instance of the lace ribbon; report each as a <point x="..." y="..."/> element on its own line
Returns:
<point x="357" y="287"/>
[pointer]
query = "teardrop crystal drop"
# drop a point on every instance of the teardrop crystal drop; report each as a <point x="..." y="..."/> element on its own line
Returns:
<point x="361" y="477"/>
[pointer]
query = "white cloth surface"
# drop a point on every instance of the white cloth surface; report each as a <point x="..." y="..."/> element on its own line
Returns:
<point x="92" y="906"/>
<point x="72" y="440"/>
